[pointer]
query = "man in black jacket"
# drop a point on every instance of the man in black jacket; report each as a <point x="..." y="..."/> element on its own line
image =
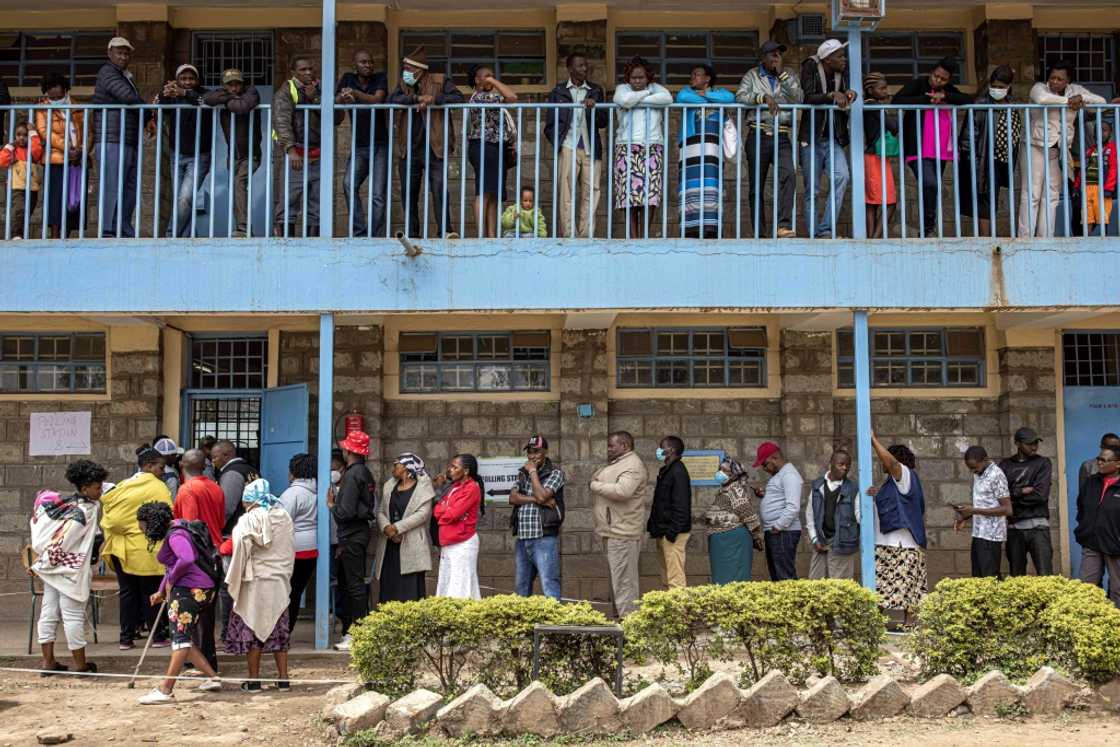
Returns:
<point x="1098" y="524"/>
<point x="670" y="518"/>
<point x="237" y="100"/>
<point x="189" y="135"/>
<point x="575" y="133"/>
<point x="538" y="501"/>
<point x="353" y="511"/>
<point x="1028" y="528"/>
<point x="116" y="87"/>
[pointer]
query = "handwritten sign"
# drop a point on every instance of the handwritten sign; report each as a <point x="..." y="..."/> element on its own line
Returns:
<point x="58" y="433"/>
<point x="500" y="476"/>
<point x="702" y="465"/>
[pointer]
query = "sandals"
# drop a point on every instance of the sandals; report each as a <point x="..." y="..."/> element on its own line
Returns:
<point x="250" y="686"/>
<point x="55" y="670"/>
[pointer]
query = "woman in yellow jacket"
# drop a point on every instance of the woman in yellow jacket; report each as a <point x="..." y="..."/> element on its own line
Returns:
<point x="64" y="169"/>
<point x="127" y="550"/>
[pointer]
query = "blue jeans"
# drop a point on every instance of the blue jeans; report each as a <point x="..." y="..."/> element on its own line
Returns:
<point x="816" y="167"/>
<point x="533" y="557"/>
<point x="117" y="167"/>
<point x="781" y="553"/>
<point x="378" y="187"/>
<point x="185" y="195"/>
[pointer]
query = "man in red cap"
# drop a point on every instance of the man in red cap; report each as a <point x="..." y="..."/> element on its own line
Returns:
<point x="353" y="511"/>
<point x="779" y="511"/>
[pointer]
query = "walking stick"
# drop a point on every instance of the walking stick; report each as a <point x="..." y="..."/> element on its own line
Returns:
<point x="152" y="632"/>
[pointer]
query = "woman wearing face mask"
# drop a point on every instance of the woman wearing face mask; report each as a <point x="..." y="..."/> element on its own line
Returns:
<point x="403" y="515"/>
<point x="456" y="513"/>
<point x="491" y="145"/>
<point x="65" y="186"/>
<point x="989" y="147"/>
<point x="732" y="524"/>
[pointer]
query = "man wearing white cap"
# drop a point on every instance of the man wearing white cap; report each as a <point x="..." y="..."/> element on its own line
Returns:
<point x="116" y="88"/>
<point x="189" y="135"/>
<point x="824" y="80"/>
<point x="170" y="453"/>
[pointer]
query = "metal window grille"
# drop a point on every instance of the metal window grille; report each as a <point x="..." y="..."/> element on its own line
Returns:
<point x="1091" y="358"/>
<point x="691" y="358"/>
<point x="27" y="56"/>
<point x="675" y="53"/>
<point x="229" y="362"/>
<point x="57" y="362"/>
<point x="251" y="52"/>
<point x="517" y="56"/>
<point x="916" y="358"/>
<point x="475" y="362"/>
<point x="903" y="56"/>
<point x="237" y="419"/>
<point x="1094" y="56"/>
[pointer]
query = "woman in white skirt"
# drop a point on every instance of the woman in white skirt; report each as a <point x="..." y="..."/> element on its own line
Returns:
<point x="456" y="513"/>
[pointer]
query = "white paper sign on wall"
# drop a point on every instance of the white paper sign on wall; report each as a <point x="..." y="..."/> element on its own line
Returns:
<point x="59" y="433"/>
<point x="500" y="476"/>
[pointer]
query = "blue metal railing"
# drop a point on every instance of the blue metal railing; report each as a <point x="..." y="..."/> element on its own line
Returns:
<point x="681" y="170"/>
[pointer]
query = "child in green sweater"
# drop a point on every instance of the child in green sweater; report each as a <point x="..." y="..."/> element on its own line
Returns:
<point x="523" y="220"/>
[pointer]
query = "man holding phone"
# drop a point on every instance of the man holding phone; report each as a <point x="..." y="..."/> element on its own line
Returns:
<point x="991" y="505"/>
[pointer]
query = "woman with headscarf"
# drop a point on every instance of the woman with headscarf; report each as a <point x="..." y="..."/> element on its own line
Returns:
<point x="732" y="524"/>
<point x="259" y="580"/>
<point x="63" y="529"/>
<point x="456" y="513"/>
<point x="301" y="502"/>
<point x="188" y="587"/>
<point x="403" y="515"/>
<point x="900" y="531"/>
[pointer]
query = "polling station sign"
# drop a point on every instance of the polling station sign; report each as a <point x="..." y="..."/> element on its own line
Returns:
<point x="500" y="476"/>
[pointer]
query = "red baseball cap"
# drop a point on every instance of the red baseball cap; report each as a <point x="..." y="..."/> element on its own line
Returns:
<point x="766" y="449"/>
<point x="357" y="442"/>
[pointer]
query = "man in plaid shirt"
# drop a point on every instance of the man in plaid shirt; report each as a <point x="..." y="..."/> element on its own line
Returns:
<point x="538" y="501"/>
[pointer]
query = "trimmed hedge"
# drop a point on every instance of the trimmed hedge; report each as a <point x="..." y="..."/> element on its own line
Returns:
<point x="801" y="628"/>
<point x="461" y="642"/>
<point x="967" y="627"/>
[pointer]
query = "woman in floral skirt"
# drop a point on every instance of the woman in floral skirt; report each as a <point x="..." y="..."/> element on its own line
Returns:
<point x="639" y="150"/>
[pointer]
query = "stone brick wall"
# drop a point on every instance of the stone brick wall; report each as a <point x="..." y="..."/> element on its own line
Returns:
<point x="1007" y="42"/>
<point x="117" y="427"/>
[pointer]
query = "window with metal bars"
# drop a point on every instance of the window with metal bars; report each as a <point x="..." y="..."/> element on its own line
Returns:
<point x="690" y="358"/>
<point x="475" y="362"/>
<point x="903" y="56"/>
<point x="516" y="55"/>
<point x="1093" y="56"/>
<point x="674" y="54"/>
<point x="26" y="57"/>
<point x="1091" y="358"/>
<point x="237" y="419"/>
<point x="916" y="358"/>
<point x="53" y="362"/>
<point x="229" y="362"/>
<point x="251" y="52"/>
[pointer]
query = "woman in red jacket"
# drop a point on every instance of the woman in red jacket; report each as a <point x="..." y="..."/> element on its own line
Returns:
<point x="457" y="516"/>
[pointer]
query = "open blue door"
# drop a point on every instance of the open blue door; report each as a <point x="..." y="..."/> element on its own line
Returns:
<point x="283" y="431"/>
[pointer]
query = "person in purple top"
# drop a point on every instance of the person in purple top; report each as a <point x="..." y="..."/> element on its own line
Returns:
<point x="188" y="589"/>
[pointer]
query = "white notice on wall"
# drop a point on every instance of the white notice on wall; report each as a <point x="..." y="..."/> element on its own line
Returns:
<point x="500" y="476"/>
<point x="56" y="433"/>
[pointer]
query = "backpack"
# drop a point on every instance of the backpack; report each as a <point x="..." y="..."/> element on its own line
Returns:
<point x="205" y="554"/>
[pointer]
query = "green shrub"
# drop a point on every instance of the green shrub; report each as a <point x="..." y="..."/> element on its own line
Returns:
<point x="462" y="642"/>
<point x="799" y="627"/>
<point x="967" y="627"/>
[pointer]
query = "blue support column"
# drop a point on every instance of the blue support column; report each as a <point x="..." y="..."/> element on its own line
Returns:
<point x="863" y="448"/>
<point x="323" y="529"/>
<point x="326" y="159"/>
<point x="855" y="73"/>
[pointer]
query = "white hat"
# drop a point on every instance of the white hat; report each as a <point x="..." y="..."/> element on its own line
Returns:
<point x="829" y="47"/>
<point x="186" y="66"/>
<point x="166" y="447"/>
<point x="120" y="41"/>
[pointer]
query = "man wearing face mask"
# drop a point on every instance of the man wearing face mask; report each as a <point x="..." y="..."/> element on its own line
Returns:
<point x="670" y="520"/>
<point x="832" y="518"/>
<point x="779" y="510"/>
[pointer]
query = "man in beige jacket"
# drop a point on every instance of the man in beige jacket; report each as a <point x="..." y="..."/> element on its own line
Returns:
<point x="621" y="504"/>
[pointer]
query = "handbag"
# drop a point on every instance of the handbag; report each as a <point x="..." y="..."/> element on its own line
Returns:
<point x="887" y="145"/>
<point x="75" y="190"/>
<point x="730" y="139"/>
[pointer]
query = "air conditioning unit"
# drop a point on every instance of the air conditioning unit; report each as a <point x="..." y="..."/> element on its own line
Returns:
<point x="811" y="28"/>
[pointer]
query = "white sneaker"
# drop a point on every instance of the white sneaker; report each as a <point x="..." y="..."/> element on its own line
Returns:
<point x="210" y="686"/>
<point x="344" y="644"/>
<point x="157" y="697"/>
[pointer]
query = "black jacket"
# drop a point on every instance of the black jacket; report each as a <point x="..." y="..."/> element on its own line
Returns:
<point x="671" y="513"/>
<point x="1035" y="472"/>
<point x="354" y="504"/>
<point x="1098" y="519"/>
<point x="872" y="129"/>
<point x="200" y="121"/>
<point x="915" y="92"/>
<point x="239" y="107"/>
<point x="557" y="121"/>
<point x="248" y="473"/>
<point x="115" y="88"/>
<point x="551" y="518"/>
<point x="980" y="141"/>
<point x="818" y="96"/>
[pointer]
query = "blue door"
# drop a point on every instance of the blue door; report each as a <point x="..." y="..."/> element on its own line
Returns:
<point x="283" y="431"/>
<point x="1091" y="374"/>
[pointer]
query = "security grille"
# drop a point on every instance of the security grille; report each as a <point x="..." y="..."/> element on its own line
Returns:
<point x="1094" y="56"/>
<point x="237" y="419"/>
<point x="229" y="362"/>
<point x="251" y="52"/>
<point x="1091" y="358"/>
<point x="27" y="56"/>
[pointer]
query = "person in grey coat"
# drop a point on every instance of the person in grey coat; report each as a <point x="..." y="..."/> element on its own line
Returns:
<point x="403" y="514"/>
<point x="301" y="502"/>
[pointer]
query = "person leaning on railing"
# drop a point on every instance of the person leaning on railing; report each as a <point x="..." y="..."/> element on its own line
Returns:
<point x="491" y="145"/>
<point x="639" y="154"/>
<point x="66" y="187"/>
<point x="236" y="101"/>
<point x="368" y="160"/>
<point x="702" y="152"/>
<point x="189" y="134"/>
<point x="989" y="147"/>
<point x="880" y="137"/>
<point x="297" y="133"/>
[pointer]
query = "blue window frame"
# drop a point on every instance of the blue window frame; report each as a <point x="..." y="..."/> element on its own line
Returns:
<point x="691" y="358"/>
<point x="474" y="362"/>
<point x="52" y="362"/>
<point x="916" y="357"/>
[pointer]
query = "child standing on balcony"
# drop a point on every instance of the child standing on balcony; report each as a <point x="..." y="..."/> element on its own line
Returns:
<point x="1098" y="206"/>
<point x="880" y="131"/>
<point x="14" y="156"/>
<point x="524" y="220"/>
